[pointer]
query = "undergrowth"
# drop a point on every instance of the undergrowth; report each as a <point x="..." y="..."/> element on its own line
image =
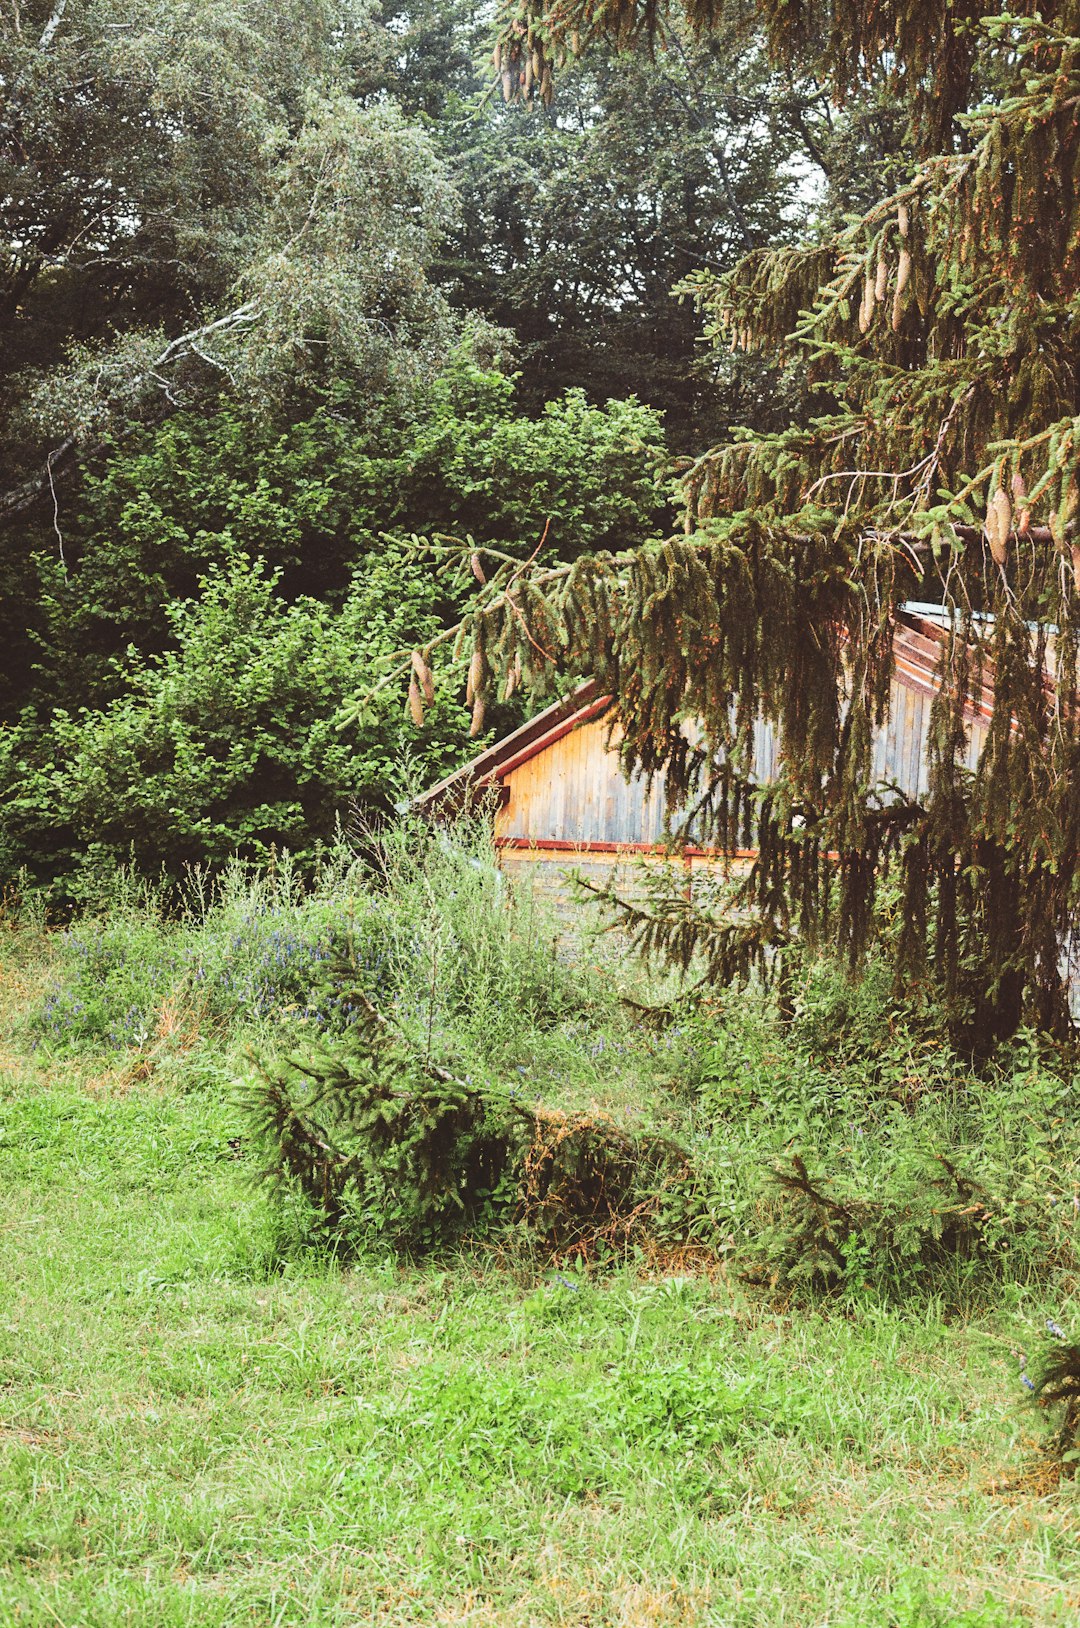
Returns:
<point x="424" y="922"/>
<point x="722" y="1317"/>
<point x="425" y="1053"/>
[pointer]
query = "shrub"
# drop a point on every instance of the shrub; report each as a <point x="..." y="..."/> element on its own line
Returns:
<point x="866" y="1154"/>
<point x="112" y="979"/>
<point x="927" y="1218"/>
<point x="382" y="1141"/>
<point x="229" y="742"/>
<point x="247" y="950"/>
<point x="1057" y="1388"/>
<point x="261" y="950"/>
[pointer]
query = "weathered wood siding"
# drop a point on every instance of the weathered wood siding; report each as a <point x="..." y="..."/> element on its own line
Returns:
<point x="574" y="791"/>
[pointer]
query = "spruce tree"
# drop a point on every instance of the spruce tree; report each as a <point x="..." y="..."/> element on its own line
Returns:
<point x="937" y="331"/>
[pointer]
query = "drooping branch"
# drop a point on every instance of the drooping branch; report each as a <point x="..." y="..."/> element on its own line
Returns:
<point x="152" y="381"/>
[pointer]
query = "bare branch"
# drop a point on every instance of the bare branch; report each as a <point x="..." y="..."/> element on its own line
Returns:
<point x="21" y="497"/>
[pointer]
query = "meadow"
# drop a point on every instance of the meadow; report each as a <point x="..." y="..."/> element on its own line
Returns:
<point x="214" y="1410"/>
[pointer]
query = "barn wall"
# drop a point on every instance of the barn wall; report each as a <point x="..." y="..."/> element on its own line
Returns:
<point x="550" y="873"/>
<point x="574" y="791"/>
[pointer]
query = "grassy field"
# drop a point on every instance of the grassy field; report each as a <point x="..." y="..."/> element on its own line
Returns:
<point x="204" y="1422"/>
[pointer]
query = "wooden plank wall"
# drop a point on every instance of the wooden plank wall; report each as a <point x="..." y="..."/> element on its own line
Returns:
<point x="574" y="791"/>
<point x="572" y="795"/>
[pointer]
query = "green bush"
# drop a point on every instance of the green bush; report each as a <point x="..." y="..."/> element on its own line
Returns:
<point x="848" y="1151"/>
<point x="230" y="743"/>
<point x="317" y="492"/>
<point x="231" y="585"/>
<point x="377" y="1145"/>
<point x="382" y="1141"/>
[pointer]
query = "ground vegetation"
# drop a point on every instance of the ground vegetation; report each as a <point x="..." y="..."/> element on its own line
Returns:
<point x="223" y="1398"/>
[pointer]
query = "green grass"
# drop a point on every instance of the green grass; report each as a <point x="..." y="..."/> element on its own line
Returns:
<point x="197" y="1429"/>
<point x="205" y="1420"/>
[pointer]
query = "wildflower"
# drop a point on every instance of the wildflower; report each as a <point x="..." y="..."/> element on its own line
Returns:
<point x="1027" y="1382"/>
<point x="567" y="1283"/>
<point x="1055" y="1329"/>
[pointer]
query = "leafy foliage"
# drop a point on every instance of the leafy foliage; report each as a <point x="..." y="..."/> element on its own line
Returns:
<point x="579" y="220"/>
<point x="314" y="492"/>
<point x="183" y="701"/>
<point x="882" y="1163"/>
<point x="195" y="200"/>
<point x="229" y="743"/>
<point x="244" y="954"/>
<point x="425" y="925"/>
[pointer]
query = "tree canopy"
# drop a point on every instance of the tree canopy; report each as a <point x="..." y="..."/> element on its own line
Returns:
<point x="194" y="196"/>
<point x="262" y="273"/>
<point x="579" y="220"/>
<point x="938" y="333"/>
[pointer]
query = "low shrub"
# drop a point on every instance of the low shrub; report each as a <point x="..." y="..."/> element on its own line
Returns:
<point x="872" y="1157"/>
<point x="376" y="1144"/>
<point x="261" y="951"/>
<point x="927" y="1219"/>
<point x="1057" y="1389"/>
<point x="112" y="980"/>
<point x="382" y="1142"/>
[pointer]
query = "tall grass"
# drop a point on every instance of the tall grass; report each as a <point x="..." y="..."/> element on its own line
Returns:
<point x="918" y="1173"/>
<point x="423" y="919"/>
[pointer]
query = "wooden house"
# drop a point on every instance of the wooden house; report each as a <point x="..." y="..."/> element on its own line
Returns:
<point x="562" y="802"/>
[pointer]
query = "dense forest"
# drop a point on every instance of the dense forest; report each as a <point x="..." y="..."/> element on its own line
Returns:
<point x="286" y="287"/>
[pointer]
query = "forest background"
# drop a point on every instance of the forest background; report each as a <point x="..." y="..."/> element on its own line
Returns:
<point x="377" y="1249"/>
<point x="284" y="287"/>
